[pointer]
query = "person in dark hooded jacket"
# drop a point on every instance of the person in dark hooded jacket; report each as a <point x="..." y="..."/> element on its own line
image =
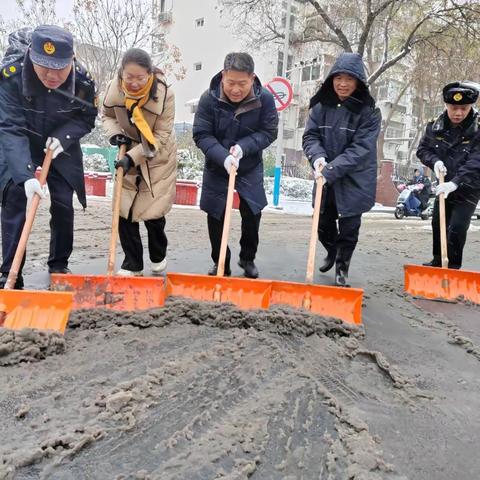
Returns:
<point x="340" y="142"/>
<point x="235" y="121"/>
<point x="451" y="145"/>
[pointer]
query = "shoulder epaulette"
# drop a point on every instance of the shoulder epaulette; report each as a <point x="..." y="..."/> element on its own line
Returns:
<point x="12" y="69"/>
<point x="82" y="72"/>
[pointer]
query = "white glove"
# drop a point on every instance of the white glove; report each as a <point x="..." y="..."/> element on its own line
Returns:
<point x="32" y="186"/>
<point x="446" y="188"/>
<point x="54" y="145"/>
<point x="318" y="164"/>
<point x="229" y="161"/>
<point x="439" y="168"/>
<point x="237" y="152"/>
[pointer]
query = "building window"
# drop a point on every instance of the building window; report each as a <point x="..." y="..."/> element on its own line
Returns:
<point x="293" y="15"/>
<point x="311" y="72"/>
<point x="302" y="117"/>
<point x="200" y="22"/>
<point x="197" y="66"/>
<point x="280" y="63"/>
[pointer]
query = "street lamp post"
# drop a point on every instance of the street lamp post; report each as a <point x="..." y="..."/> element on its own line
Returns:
<point x="278" y="159"/>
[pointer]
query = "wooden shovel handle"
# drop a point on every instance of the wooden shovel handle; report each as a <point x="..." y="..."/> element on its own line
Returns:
<point x="443" y="224"/>
<point x="226" y="222"/>
<point x="117" y="195"/>
<point x="27" y="227"/>
<point x="314" y="233"/>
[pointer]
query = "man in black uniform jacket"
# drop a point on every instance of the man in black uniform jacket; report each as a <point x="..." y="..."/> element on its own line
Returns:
<point x="47" y="100"/>
<point x="451" y="145"/>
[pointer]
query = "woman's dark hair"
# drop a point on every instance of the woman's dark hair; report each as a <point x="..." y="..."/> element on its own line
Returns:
<point x="142" y="59"/>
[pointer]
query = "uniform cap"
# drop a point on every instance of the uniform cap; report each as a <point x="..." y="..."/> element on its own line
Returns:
<point x="51" y="47"/>
<point x="460" y="93"/>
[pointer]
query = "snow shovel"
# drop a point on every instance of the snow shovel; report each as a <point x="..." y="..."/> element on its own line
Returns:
<point x="30" y="308"/>
<point x="339" y="302"/>
<point x="243" y="292"/>
<point x="436" y="283"/>
<point x="109" y="291"/>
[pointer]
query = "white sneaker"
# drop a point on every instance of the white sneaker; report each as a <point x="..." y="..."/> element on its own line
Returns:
<point x="159" y="267"/>
<point x="129" y="273"/>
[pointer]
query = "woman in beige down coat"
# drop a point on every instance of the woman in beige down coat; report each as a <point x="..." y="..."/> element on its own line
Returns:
<point x="138" y="111"/>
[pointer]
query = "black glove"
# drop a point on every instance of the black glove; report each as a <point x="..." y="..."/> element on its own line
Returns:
<point x="126" y="163"/>
<point x="120" y="140"/>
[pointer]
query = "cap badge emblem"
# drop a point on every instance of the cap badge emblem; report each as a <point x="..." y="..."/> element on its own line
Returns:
<point x="49" y="48"/>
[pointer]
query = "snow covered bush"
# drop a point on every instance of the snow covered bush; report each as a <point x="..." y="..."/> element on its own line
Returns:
<point x="291" y="188"/>
<point x="95" y="163"/>
<point x="190" y="165"/>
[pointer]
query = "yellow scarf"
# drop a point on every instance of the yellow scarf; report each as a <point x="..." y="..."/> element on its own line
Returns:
<point x="134" y="101"/>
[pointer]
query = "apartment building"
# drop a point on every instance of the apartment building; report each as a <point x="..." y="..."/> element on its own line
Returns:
<point x="203" y="37"/>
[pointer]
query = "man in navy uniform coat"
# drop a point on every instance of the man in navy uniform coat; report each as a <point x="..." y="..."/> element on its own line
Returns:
<point x="47" y="100"/>
<point x="451" y="145"/>
<point x="235" y="121"/>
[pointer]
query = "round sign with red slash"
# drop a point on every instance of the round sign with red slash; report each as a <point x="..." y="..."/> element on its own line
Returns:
<point x="282" y="92"/>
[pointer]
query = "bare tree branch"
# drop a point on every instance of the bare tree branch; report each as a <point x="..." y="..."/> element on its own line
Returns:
<point x="344" y="42"/>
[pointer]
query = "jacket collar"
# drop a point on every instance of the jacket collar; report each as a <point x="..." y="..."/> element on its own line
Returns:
<point x="469" y="126"/>
<point x="32" y="86"/>
<point x="115" y="97"/>
<point x="251" y="102"/>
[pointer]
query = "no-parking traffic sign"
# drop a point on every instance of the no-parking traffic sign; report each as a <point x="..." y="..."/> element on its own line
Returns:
<point x="282" y="92"/>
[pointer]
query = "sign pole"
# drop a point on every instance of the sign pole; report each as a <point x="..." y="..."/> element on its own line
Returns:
<point x="278" y="159"/>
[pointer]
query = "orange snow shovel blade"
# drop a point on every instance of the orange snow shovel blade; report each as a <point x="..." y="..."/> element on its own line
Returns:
<point x="107" y="291"/>
<point x="34" y="309"/>
<point x="338" y="302"/>
<point x="442" y="283"/>
<point x="243" y="292"/>
<point x="342" y="303"/>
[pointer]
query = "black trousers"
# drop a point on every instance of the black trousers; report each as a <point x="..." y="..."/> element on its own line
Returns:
<point x="131" y="242"/>
<point x="339" y="240"/>
<point x="14" y="204"/>
<point x="248" y="240"/>
<point x="457" y="216"/>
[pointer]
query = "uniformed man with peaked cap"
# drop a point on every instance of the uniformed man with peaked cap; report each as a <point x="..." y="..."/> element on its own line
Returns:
<point x="451" y="145"/>
<point x="47" y="100"/>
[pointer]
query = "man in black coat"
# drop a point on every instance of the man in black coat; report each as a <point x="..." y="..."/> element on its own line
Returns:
<point x="340" y="142"/>
<point x="47" y="100"/>
<point x="235" y="121"/>
<point x="451" y="145"/>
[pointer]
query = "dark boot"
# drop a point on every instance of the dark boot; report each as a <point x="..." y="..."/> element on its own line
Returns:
<point x="251" y="271"/>
<point x="328" y="261"/>
<point x="62" y="270"/>
<point x="454" y="266"/>
<point x="18" y="284"/>
<point x="435" y="262"/>
<point x="341" y="275"/>
<point x="342" y="263"/>
<point x="213" y="270"/>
